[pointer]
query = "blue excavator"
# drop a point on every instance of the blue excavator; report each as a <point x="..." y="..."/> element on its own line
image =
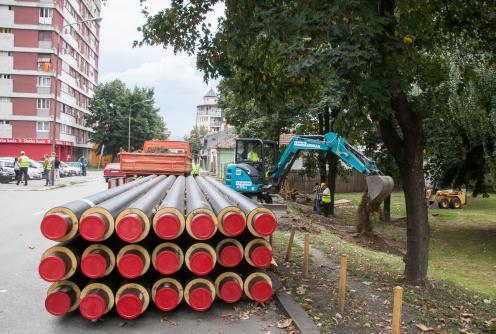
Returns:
<point x="258" y="170"/>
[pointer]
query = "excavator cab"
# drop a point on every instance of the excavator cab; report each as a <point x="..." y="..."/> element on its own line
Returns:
<point x="255" y="159"/>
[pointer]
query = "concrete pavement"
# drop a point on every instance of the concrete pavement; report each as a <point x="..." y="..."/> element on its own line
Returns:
<point x="22" y="292"/>
<point x="40" y="184"/>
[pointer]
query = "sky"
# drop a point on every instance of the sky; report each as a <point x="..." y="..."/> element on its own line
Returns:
<point x="178" y="85"/>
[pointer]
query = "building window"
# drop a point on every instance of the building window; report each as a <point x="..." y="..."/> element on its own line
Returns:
<point x="4" y="76"/>
<point x="3" y="121"/>
<point x="43" y="104"/>
<point x="45" y="16"/>
<point x="42" y="126"/>
<point x="66" y="129"/>
<point x="43" y="81"/>
<point x="5" y="30"/>
<point x="44" y="36"/>
<point x="5" y="100"/>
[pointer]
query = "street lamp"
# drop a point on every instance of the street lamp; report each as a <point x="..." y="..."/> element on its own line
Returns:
<point x="57" y="85"/>
<point x="129" y="122"/>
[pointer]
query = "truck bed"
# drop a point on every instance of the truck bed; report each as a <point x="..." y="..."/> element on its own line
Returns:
<point x="176" y="159"/>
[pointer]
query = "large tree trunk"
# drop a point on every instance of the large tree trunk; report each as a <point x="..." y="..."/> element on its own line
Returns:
<point x="386" y="211"/>
<point x="332" y="159"/>
<point x="331" y="178"/>
<point x="322" y="157"/>
<point x="407" y="151"/>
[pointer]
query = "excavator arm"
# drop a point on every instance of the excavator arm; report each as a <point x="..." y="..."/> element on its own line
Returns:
<point x="379" y="186"/>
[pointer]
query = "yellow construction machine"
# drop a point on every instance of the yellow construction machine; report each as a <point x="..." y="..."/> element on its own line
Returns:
<point x="446" y="198"/>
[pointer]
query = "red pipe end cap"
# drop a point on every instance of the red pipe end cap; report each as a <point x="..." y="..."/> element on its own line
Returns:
<point x="202" y="226"/>
<point x="92" y="307"/>
<point x="54" y="226"/>
<point x="233" y="223"/>
<point x="52" y="268"/>
<point x="230" y="256"/>
<point x="201" y="263"/>
<point x="168" y="226"/>
<point x="167" y="262"/>
<point x="200" y="299"/>
<point x="58" y="303"/>
<point x="93" y="227"/>
<point x="261" y="291"/>
<point x="261" y="256"/>
<point x="230" y="292"/>
<point x="129" y="306"/>
<point x="166" y="299"/>
<point x="264" y="224"/>
<point x="94" y="265"/>
<point x="130" y="228"/>
<point x="130" y="266"/>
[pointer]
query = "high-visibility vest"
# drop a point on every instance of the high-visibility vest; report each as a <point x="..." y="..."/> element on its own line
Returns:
<point x="196" y="169"/>
<point x="24" y="161"/>
<point x="47" y="165"/>
<point x="326" y="196"/>
<point x="253" y="156"/>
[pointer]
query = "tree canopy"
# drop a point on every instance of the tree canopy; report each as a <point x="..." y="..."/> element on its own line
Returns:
<point x="383" y="63"/>
<point x="111" y="107"/>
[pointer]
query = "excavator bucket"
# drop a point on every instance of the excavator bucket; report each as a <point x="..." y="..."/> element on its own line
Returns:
<point x="379" y="187"/>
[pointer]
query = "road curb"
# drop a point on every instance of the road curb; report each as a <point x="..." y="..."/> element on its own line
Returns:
<point x="52" y="187"/>
<point x="300" y="318"/>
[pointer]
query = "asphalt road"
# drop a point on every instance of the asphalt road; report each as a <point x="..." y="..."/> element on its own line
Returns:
<point x="22" y="291"/>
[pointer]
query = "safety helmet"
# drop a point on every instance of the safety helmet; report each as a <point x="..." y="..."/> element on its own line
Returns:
<point x="323" y="184"/>
<point x="22" y="152"/>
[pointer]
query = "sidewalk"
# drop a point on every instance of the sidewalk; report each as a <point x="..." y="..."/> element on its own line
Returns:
<point x="39" y="185"/>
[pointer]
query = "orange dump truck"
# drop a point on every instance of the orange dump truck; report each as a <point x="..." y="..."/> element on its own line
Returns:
<point x="163" y="157"/>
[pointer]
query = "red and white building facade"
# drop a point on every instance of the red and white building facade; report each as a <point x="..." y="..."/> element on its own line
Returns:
<point x="31" y="60"/>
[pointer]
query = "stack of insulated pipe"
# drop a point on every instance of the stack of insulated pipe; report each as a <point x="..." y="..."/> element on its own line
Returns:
<point x="61" y="223"/>
<point x="98" y="222"/>
<point x="157" y="241"/>
<point x="240" y="242"/>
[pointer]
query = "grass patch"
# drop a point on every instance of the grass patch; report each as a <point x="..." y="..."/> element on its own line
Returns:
<point x="462" y="246"/>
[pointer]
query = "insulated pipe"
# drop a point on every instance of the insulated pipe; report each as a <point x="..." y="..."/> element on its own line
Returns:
<point x="63" y="297"/>
<point x="201" y="223"/>
<point x="133" y="224"/>
<point x="167" y="293"/>
<point x="229" y="287"/>
<point x="61" y="261"/>
<point x="133" y="261"/>
<point x="61" y="223"/>
<point x="97" y="299"/>
<point x="199" y="294"/>
<point x="258" y="287"/>
<point x="97" y="261"/>
<point x="132" y="299"/>
<point x="232" y="221"/>
<point x="167" y="258"/>
<point x="168" y="221"/>
<point x="260" y="221"/>
<point x="97" y="223"/>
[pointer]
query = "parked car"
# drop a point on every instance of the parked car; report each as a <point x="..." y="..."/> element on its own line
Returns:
<point x="35" y="169"/>
<point x="64" y="172"/>
<point x="7" y="173"/>
<point x="112" y="170"/>
<point x="77" y="165"/>
<point x="71" y="171"/>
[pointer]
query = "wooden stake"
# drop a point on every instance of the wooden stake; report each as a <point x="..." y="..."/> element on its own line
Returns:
<point x="397" y="303"/>
<point x="342" y="282"/>
<point x="290" y="243"/>
<point x="306" y="253"/>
